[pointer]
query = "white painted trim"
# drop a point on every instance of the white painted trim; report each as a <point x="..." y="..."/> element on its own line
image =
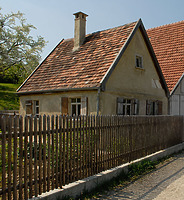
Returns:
<point x="175" y="87"/>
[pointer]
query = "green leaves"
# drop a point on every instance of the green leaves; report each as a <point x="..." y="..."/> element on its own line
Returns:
<point x="17" y="46"/>
<point x="141" y="168"/>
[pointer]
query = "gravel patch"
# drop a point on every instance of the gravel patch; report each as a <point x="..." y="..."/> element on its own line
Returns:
<point x="166" y="182"/>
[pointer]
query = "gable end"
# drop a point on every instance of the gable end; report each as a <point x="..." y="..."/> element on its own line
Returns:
<point x="150" y="49"/>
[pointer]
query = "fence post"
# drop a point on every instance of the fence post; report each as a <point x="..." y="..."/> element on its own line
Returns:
<point x="97" y="143"/>
<point x="15" y="160"/>
<point x="44" y="153"/>
<point x="67" y="149"/>
<point x="71" y="150"/>
<point x="57" y="132"/>
<point x="3" y="125"/>
<point x="35" y="156"/>
<point x="63" y="159"/>
<point x="48" y="153"/>
<point x="25" y="157"/>
<point x="130" y="137"/>
<point x="40" y="154"/>
<point x="20" y="157"/>
<point x="52" y="150"/>
<point x="9" y="155"/>
<point x="31" y="156"/>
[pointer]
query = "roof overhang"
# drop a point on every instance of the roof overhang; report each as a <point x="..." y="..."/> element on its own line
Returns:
<point x="37" y="68"/>
<point x="57" y="90"/>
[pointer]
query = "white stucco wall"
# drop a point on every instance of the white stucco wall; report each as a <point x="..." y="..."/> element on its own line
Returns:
<point x="176" y="101"/>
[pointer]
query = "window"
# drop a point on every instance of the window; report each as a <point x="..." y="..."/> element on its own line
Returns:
<point x="139" y="63"/>
<point x="28" y="107"/>
<point x="32" y="107"/>
<point x="37" y="109"/>
<point x="153" y="107"/>
<point x="127" y="106"/>
<point x="76" y="106"/>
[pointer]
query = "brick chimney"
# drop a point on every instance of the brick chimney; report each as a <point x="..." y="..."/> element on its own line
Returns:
<point x="80" y="29"/>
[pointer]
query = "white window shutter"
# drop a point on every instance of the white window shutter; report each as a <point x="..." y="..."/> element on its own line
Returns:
<point x="137" y="107"/>
<point x="84" y="105"/>
<point x="119" y="106"/>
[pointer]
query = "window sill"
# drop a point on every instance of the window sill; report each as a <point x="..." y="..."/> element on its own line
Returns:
<point x="138" y="68"/>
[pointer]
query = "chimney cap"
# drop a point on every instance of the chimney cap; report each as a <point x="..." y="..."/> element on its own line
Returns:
<point x="80" y="13"/>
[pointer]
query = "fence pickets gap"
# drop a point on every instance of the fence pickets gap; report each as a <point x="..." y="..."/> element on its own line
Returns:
<point x="41" y="153"/>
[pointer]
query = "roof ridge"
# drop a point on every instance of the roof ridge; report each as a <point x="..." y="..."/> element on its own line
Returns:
<point x="89" y="34"/>
<point x="67" y="39"/>
<point x="111" y="28"/>
<point x="165" y="25"/>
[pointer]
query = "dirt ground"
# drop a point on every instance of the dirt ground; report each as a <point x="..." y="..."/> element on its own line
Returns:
<point x="166" y="182"/>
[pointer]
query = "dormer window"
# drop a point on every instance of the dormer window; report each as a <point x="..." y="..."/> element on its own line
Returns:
<point x="139" y="63"/>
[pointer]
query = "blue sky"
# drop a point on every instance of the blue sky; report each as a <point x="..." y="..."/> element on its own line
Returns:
<point x="54" y="19"/>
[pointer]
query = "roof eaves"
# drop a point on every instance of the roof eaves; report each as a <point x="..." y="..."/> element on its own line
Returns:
<point x="38" y="66"/>
<point x="116" y="60"/>
<point x="58" y="90"/>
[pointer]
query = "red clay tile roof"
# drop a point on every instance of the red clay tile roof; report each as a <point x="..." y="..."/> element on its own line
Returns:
<point x="168" y="45"/>
<point x="84" y="68"/>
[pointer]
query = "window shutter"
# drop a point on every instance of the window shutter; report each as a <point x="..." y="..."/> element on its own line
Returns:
<point x="84" y="106"/>
<point x="148" y="107"/>
<point x="64" y="105"/>
<point x="159" y="107"/>
<point x="119" y="106"/>
<point x="29" y="107"/>
<point x="135" y="107"/>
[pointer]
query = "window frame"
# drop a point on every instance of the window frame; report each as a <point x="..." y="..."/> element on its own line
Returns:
<point x="29" y="107"/>
<point x="125" y="104"/>
<point x="34" y="107"/>
<point x="153" y="107"/>
<point x="140" y="61"/>
<point x="127" y="107"/>
<point x="76" y="103"/>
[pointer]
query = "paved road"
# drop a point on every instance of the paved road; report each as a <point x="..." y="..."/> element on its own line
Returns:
<point x="166" y="182"/>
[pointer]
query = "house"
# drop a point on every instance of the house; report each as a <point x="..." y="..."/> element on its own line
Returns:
<point x="109" y="72"/>
<point x="168" y="45"/>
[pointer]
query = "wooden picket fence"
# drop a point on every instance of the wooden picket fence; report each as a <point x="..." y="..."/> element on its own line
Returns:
<point x="41" y="154"/>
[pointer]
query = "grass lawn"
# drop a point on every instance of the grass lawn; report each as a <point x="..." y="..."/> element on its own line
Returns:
<point x="9" y="100"/>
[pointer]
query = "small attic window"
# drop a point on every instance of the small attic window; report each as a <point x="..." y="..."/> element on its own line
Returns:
<point x="139" y="63"/>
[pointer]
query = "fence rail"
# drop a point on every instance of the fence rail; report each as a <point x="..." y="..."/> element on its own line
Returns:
<point x="9" y="112"/>
<point x="41" y="154"/>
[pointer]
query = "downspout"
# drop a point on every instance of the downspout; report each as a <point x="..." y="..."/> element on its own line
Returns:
<point x="169" y="105"/>
<point x="98" y="101"/>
